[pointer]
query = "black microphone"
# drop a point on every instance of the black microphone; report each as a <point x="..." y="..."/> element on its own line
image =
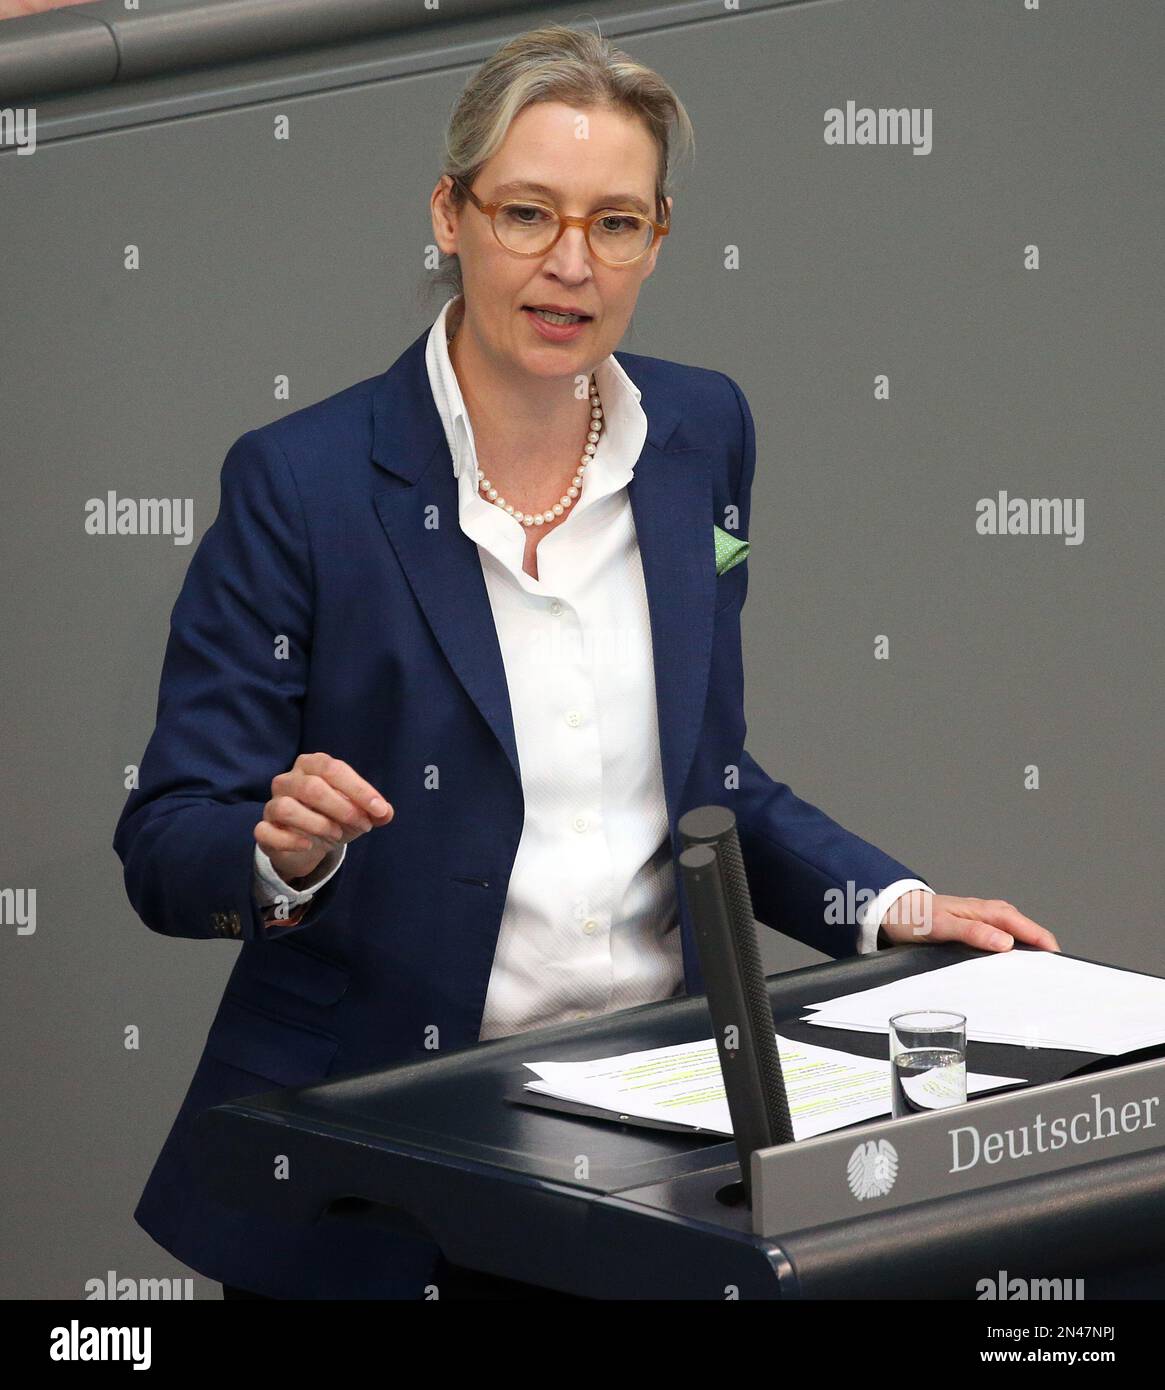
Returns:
<point x="742" y="1020"/>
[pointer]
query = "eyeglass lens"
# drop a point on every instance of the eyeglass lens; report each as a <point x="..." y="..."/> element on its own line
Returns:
<point x="529" y="228"/>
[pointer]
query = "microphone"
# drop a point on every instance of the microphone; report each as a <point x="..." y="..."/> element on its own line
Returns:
<point x="714" y="880"/>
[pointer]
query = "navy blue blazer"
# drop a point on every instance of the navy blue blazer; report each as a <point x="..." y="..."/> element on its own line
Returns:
<point x="325" y="543"/>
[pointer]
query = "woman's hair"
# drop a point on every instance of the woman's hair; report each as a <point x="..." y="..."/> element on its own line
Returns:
<point x="555" y="63"/>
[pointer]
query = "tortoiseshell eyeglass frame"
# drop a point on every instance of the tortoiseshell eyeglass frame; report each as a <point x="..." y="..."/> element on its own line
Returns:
<point x="659" y="229"/>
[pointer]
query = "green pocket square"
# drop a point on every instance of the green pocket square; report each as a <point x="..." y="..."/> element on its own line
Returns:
<point x="729" y="549"/>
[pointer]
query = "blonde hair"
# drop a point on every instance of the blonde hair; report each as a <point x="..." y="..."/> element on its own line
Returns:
<point x="555" y="63"/>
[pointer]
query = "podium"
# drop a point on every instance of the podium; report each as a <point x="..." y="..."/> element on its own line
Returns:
<point x="548" y="1194"/>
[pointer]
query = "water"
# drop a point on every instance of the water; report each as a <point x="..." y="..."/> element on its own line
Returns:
<point x="927" y="1078"/>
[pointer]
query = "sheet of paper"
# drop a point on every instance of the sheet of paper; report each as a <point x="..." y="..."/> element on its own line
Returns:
<point x="1028" y="998"/>
<point x="827" y="1089"/>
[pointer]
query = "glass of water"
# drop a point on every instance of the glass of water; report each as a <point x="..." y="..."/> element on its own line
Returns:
<point x="928" y="1062"/>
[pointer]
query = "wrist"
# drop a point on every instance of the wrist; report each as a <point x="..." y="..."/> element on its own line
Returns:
<point x="296" y="878"/>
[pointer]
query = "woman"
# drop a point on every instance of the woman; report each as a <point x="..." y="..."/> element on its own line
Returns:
<point x="481" y="589"/>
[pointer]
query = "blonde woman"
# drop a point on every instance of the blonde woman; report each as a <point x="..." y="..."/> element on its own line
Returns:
<point x="507" y="576"/>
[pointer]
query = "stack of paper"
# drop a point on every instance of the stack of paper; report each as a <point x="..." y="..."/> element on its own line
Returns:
<point x="826" y="1089"/>
<point x="1029" y="998"/>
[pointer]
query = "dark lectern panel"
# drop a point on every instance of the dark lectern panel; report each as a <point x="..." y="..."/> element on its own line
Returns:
<point x="462" y="1104"/>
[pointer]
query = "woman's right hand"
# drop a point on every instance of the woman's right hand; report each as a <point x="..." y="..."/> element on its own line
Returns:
<point x="320" y="804"/>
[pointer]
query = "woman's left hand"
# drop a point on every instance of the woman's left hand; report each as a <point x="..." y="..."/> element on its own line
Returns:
<point x="986" y="923"/>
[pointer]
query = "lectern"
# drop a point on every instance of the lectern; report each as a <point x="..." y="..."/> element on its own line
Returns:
<point x="450" y="1147"/>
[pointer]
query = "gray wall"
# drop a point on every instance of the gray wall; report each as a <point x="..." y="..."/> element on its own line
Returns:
<point x="304" y="258"/>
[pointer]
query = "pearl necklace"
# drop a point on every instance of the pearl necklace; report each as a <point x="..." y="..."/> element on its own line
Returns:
<point x="568" y="497"/>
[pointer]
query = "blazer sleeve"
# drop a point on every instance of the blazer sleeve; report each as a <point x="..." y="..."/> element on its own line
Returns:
<point x="794" y="854"/>
<point x="229" y="711"/>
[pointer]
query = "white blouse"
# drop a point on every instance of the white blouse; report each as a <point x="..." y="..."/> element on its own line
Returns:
<point x="590" y="922"/>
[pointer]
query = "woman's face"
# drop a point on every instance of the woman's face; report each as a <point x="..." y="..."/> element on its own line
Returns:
<point x="585" y="156"/>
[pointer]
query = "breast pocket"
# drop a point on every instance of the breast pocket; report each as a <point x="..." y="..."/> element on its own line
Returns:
<point x="731" y="585"/>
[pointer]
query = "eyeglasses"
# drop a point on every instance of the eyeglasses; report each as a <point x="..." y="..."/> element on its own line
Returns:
<point x="525" y="228"/>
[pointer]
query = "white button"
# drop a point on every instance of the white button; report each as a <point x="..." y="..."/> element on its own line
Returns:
<point x="579" y="822"/>
<point x="590" y="926"/>
<point x="555" y="607"/>
<point x="582" y="1015"/>
<point x="573" y="718"/>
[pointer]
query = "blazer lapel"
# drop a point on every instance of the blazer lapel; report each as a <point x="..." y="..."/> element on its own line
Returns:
<point x="671" y="500"/>
<point x="422" y="523"/>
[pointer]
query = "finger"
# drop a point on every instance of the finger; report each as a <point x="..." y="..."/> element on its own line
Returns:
<point x="318" y="794"/>
<point x="346" y="779"/>
<point x="288" y="811"/>
<point x="981" y="935"/>
<point x="1010" y="919"/>
<point x="361" y="793"/>
<point x="270" y="836"/>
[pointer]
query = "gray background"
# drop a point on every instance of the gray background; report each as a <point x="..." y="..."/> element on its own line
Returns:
<point x="306" y="257"/>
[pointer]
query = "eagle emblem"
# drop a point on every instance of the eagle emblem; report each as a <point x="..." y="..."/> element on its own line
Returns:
<point x="872" y="1169"/>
